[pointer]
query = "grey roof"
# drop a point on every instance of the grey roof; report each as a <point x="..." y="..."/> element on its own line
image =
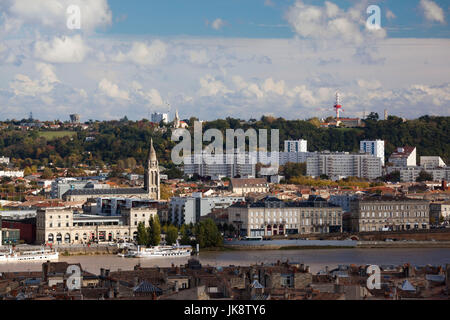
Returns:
<point x="146" y="287"/>
<point x="407" y="286"/>
<point x="435" y="277"/>
<point x="257" y="285"/>
<point x="87" y="192"/>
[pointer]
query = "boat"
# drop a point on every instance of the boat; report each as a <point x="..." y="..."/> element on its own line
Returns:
<point x="29" y="256"/>
<point x="175" y="251"/>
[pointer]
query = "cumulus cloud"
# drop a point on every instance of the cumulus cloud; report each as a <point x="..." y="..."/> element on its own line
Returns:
<point x="52" y="15"/>
<point x="432" y="11"/>
<point x="210" y="86"/>
<point x="153" y="97"/>
<point x="62" y="50"/>
<point x="142" y="53"/>
<point x="217" y="24"/>
<point x="25" y="86"/>
<point x="329" y="22"/>
<point x="112" y="90"/>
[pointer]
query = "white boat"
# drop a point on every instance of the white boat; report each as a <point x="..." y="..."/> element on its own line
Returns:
<point x="160" y="252"/>
<point x="29" y="256"/>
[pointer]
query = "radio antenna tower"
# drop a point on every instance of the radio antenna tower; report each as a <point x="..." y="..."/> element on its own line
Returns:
<point x="338" y="105"/>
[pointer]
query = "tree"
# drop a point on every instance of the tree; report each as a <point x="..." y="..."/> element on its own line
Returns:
<point x="373" y="116"/>
<point x="185" y="238"/>
<point x="154" y="231"/>
<point x="166" y="192"/>
<point x="171" y="235"/>
<point x="207" y="234"/>
<point x="142" y="236"/>
<point x="27" y="171"/>
<point x="291" y="170"/>
<point x="47" y="174"/>
<point x="424" y="176"/>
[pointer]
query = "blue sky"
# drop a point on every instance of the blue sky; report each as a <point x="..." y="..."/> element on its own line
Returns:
<point x="218" y="58"/>
<point x="251" y="18"/>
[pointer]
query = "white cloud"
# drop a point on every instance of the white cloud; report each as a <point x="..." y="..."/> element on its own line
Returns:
<point x="210" y="86"/>
<point x="112" y="90"/>
<point x="371" y="85"/>
<point x="329" y="22"/>
<point x="25" y="86"/>
<point x="390" y="15"/>
<point x="142" y="54"/>
<point x="217" y="24"/>
<point x="153" y="97"/>
<point x="52" y="15"/>
<point x="432" y="11"/>
<point x="62" y="50"/>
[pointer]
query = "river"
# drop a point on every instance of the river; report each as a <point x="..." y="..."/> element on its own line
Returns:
<point x="317" y="259"/>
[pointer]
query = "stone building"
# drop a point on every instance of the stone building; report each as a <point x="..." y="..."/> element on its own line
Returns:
<point x="61" y="225"/>
<point x="382" y="213"/>
<point x="151" y="188"/>
<point x="273" y="216"/>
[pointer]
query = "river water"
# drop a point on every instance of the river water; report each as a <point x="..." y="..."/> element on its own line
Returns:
<point x="317" y="259"/>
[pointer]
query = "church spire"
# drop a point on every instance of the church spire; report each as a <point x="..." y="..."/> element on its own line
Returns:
<point x="151" y="175"/>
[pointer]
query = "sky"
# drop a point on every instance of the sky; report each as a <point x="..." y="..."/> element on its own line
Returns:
<point x="222" y="58"/>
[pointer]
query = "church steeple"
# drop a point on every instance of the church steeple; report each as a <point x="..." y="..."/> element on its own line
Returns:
<point x="151" y="175"/>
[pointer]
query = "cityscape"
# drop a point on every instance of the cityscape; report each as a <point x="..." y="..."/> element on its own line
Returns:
<point x="179" y="165"/>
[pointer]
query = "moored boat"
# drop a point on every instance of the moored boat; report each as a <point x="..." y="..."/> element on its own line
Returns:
<point x="29" y="256"/>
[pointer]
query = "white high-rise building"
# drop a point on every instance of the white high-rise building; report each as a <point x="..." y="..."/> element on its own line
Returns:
<point x="158" y="117"/>
<point x="339" y="165"/>
<point x="375" y="148"/>
<point x="296" y="145"/>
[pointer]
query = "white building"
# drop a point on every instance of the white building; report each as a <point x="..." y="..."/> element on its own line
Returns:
<point x="185" y="210"/>
<point x="404" y="157"/>
<point x="410" y="174"/>
<point x="220" y="165"/>
<point x="11" y="174"/>
<point x="432" y="162"/>
<point x="158" y="117"/>
<point x="375" y="148"/>
<point x="339" y="165"/>
<point x="4" y="160"/>
<point x="296" y="145"/>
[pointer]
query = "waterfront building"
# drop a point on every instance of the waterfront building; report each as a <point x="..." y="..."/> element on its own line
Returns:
<point x="185" y="210"/>
<point x="375" y="148"/>
<point x="439" y="211"/>
<point x="272" y="216"/>
<point x="61" y="185"/>
<point x="62" y="225"/>
<point x="404" y="157"/>
<point x="382" y="213"/>
<point x="339" y="165"/>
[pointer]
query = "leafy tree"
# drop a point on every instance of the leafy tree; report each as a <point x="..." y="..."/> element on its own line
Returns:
<point x="207" y="234"/>
<point x="424" y="176"/>
<point x="373" y="116"/>
<point x="166" y="192"/>
<point x="142" y="236"/>
<point x="171" y="235"/>
<point x="154" y="231"/>
<point x="291" y="170"/>
<point x="47" y="174"/>
<point x="27" y="171"/>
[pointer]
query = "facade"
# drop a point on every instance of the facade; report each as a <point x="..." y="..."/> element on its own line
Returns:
<point x="185" y="210"/>
<point x="10" y="236"/>
<point x="216" y="166"/>
<point x="75" y="118"/>
<point x="432" y="162"/>
<point x="245" y="186"/>
<point x="275" y="217"/>
<point x="375" y="148"/>
<point x="293" y="157"/>
<point x="61" y="185"/>
<point x="340" y="165"/>
<point x="151" y="188"/>
<point x="404" y="157"/>
<point x="410" y="174"/>
<point x="439" y="211"/>
<point x="61" y="225"/>
<point x="158" y="117"/>
<point x="296" y="146"/>
<point x="389" y="213"/>
<point x="343" y="200"/>
<point x="11" y="174"/>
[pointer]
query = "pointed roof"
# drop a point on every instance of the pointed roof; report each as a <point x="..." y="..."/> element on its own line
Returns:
<point x="407" y="286"/>
<point x="152" y="152"/>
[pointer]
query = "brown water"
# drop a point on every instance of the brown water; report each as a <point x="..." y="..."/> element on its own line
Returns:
<point x="316" y="259"/>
